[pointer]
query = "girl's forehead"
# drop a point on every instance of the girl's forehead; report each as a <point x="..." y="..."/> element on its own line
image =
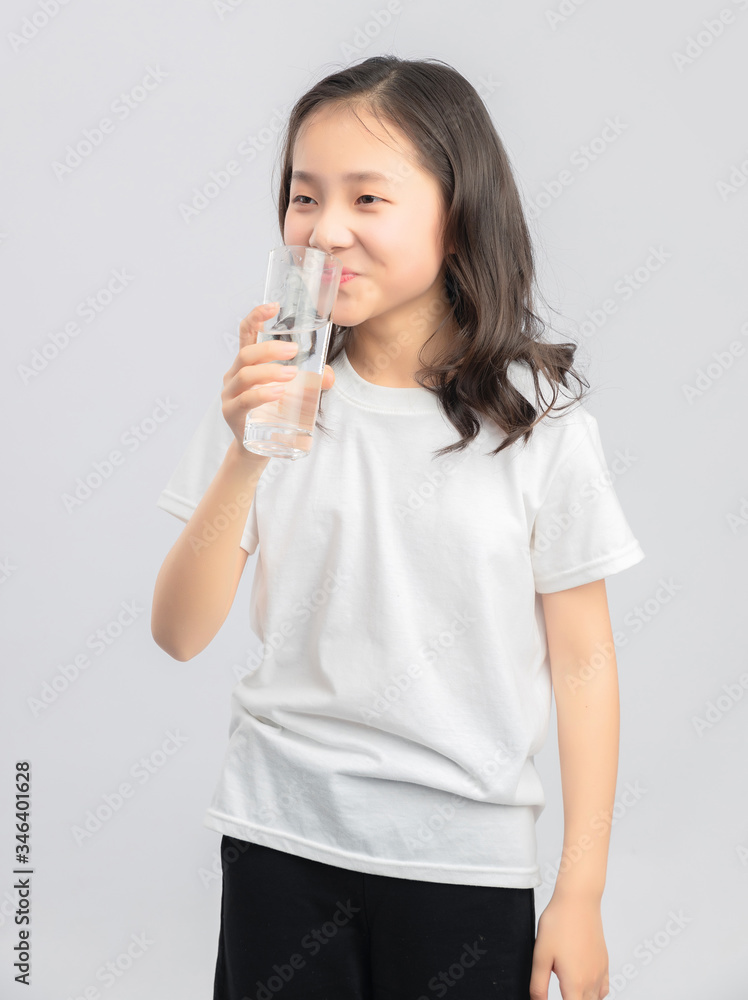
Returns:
<point x="381" y="138"/>
<point x="352" y="167"/>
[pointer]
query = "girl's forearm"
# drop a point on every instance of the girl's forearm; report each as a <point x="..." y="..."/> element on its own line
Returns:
<point x="588" y="739"/>
<point x="197" y="581"/>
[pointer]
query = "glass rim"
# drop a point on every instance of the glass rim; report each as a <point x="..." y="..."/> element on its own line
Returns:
<point x="314" y="251"/>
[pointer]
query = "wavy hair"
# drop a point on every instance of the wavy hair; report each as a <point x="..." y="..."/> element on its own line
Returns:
<point x="489" y="279"/>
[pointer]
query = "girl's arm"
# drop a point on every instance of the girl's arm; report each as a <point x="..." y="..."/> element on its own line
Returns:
<point x="197" y="582"/>
<point x="585" y="684"/>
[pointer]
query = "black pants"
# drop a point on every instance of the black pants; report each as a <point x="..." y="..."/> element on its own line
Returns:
<point x="295" y="929"/>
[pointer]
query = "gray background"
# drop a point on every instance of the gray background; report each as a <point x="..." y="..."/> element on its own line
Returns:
<point x="680" y="836"/>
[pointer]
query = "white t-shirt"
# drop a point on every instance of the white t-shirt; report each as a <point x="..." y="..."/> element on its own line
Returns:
<point x="404" y="683"/>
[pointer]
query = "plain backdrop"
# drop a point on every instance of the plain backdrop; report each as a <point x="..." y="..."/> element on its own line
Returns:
<point x="642" y="255"/>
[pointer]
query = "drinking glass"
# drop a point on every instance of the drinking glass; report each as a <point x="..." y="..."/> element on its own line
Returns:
<point x="304" y="281"/>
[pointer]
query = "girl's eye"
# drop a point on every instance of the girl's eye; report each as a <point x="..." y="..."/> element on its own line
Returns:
<point x="311" y="199"/>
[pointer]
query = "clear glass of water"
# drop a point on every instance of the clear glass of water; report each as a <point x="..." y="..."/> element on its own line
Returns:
<point x="304" y="282"/>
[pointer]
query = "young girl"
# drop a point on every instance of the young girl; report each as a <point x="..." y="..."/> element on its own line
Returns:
<point x="425" y="577"/>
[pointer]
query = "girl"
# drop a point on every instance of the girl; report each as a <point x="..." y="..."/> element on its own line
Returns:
<point x="425" y="577"/>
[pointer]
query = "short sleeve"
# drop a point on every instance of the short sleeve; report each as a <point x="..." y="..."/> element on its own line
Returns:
<point x="580" y="532"/>
<point x="198" y="466"/>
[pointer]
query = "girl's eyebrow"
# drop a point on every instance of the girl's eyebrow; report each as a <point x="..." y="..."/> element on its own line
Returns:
<point x="364" y="175"/>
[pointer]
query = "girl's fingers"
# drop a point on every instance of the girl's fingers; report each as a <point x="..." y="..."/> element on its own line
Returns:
<point x="250" y="325"/>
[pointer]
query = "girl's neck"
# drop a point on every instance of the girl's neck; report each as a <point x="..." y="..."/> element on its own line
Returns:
<point x="393" y="362"/>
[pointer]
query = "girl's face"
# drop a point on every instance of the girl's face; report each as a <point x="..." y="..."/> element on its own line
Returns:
<point x="387" y="229"/>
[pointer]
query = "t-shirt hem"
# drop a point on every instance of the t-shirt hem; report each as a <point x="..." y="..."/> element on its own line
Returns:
<point x="597" y="569"/>
<point x="512" y="878"/>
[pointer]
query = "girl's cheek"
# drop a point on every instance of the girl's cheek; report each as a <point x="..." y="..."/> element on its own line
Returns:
<point x="292" y="233"/>
<point x="392" y="234"/>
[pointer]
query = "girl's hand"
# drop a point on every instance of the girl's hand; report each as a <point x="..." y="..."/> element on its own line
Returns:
<point x="570" y="943"/>
<point x="245" y="384"/>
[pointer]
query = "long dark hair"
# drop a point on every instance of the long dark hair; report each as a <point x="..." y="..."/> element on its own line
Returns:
<point x="490" y="277"/>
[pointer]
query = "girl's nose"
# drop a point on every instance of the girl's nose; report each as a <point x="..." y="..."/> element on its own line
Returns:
<point x="331" y="245"/>
<point x="329" y="234"/>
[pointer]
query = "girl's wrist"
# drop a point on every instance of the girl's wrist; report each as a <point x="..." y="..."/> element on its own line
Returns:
<point x="238" y="455"/>
<point x="578" y="894"/>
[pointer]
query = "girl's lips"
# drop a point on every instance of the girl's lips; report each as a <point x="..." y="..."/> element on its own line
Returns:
<point x="327" y="277"/>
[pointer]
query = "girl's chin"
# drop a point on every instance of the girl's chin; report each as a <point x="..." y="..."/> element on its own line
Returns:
<point x="347" y="317"/>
